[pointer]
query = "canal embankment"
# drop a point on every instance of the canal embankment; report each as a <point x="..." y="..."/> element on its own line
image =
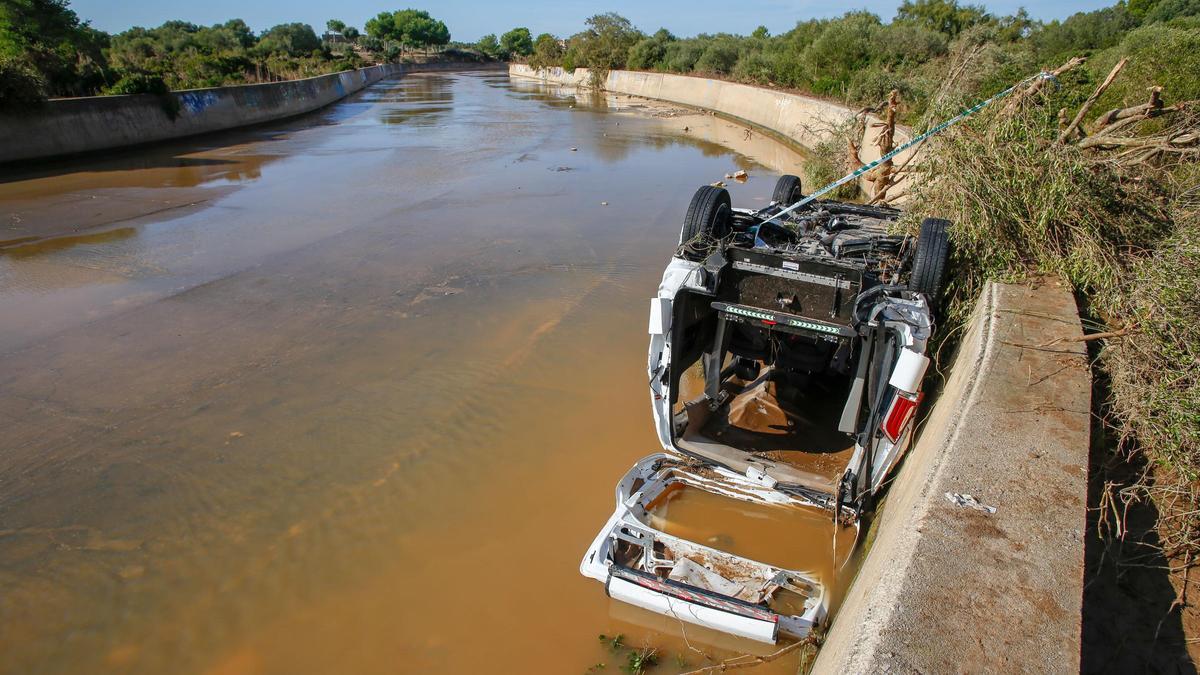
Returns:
<point x="803" y="120"/>
<point x="981" y="536"/>
<point x="71" y="126"/>
<point x="978" y="560"/>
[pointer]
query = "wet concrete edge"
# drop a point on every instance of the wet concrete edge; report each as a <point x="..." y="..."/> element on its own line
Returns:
<point x="802" y="120"/>
<point x="948" y="588"/>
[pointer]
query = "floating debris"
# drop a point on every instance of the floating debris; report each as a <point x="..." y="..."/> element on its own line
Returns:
<point x="718" y="184"/>
<point x="741" y="176"/>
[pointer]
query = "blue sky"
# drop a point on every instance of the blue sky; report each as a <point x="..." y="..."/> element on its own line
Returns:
<point x="469" y="19"/>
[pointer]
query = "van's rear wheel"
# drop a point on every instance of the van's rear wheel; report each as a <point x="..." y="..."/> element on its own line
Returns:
<point x="708" y="214"/>
<point x="787" y="190"/>
<point x="929" y="263"/>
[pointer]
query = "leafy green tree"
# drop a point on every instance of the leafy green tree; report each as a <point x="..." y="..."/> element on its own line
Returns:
<point x="646" y="54"/>
<point x="944" y="16"/>
<point x="351" y="33"/>
<point x="1166" y="10"/>
<point x="240" y="32"/>
<point x="47" y="37"/>
<point x="382" y="27"/>
<point x="606" y="43"/>
<point x="845" y="46"/>
<point x="293" y="39"/>
<point x="412" y="28"/>
<point x="517" y="41"/>
<point x="335" y="26"/>
<point x="21" y="86"/>
<point x="547" y="51"/>
<point x="488" y="44"/>
<point x="1084" y="31"/>
<point x="719" y="57"/>
<point x="371" y="44"/>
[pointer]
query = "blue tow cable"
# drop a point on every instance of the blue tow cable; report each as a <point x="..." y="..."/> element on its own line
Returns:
<point x="867" y="167"/>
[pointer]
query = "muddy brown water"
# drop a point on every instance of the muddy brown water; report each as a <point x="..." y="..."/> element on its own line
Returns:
<point x="349" y="393"/>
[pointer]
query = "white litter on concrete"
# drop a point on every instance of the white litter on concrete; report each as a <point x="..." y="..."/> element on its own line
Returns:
<point x="969" y="502"/>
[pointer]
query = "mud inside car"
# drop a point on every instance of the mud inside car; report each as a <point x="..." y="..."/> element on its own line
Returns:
<point x="787" y="350"/>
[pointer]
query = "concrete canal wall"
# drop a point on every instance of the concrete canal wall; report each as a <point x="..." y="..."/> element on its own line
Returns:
<point x="948" y="588"/>
<point x="804" y="120"/>
<point x="75" y="125"/>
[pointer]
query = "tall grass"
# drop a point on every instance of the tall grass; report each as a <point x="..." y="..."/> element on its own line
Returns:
<point x="1126" y="236"/>
<point x="1024" y="205"/>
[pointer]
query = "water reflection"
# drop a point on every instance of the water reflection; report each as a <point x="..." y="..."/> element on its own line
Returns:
<point x="21" y="250"/>
<point x="713" y="136"/>
<point x="420" y="100"/>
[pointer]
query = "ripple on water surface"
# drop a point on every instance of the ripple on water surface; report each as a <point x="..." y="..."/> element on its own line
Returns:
<point x="357" y="402"/>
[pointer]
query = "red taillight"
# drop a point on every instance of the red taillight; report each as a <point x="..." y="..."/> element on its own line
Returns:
<point x="899" y="413"/>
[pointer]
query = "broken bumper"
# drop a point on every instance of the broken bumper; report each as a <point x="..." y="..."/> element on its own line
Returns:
<point x="672" y="576"/>
<point x="692" y="604"/>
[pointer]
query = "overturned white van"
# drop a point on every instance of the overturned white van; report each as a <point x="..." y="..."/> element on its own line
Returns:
<point x="785" y="368"/>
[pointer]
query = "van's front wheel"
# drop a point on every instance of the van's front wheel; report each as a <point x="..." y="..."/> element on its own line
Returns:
<point x="709" y="214"/>
<point x="929" y="263"/>
<point x="787" y="190"/>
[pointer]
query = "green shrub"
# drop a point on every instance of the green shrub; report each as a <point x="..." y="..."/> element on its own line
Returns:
<point x="1161" y="54"/>
<point x="605" y="45"/>
<point x="871" y="86"/>
<point x="719" y="58"/>
<point x="1084" y="32"/>
<point x="943" y="16"/>
<point x="546" y="52"/>
<point x="681" y="56"/>
<point x="829" y="161"/>
<point x="647" y="54"/>
<point x="21" y="86"/>
<point x="1022" y="204"/>
<point x="139" y="83"/>
<point x="756" y="67"/>
<point x="1166" y="10"/>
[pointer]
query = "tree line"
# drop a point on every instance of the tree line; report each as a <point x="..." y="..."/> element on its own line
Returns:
<point x="860" y="58"/>
<point x="46" y="50"/>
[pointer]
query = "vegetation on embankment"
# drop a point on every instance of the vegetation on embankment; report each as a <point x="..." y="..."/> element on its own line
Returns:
<point x="1111" y="207"/>
<point x="1095" y="180"/>
<point x="860" y="58"/>
<point x="46" y="50"/>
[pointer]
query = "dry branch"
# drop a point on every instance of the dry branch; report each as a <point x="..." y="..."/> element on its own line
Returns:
<point x="1087" y="105"/>
<point x="1137" y="111"/>
<point x="1034" y="87"/>
<point x="737" y="662"/>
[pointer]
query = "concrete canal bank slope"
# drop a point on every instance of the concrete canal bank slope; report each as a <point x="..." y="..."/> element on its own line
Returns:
<point x="948" y="588"/>
<point x="802" y="119"/>
<point x="75" y="125"/>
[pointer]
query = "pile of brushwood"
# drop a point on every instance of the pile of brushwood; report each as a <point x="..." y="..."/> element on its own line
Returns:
<point x="1049" y="183"/>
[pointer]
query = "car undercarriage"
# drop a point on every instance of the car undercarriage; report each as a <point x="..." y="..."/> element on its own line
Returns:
<point x="787" y="352"/>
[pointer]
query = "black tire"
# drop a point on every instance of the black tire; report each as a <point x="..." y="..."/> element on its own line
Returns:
<point x="929" y="262"/>
<point x="709" y="214"/>
<point x="787" y="190"/>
